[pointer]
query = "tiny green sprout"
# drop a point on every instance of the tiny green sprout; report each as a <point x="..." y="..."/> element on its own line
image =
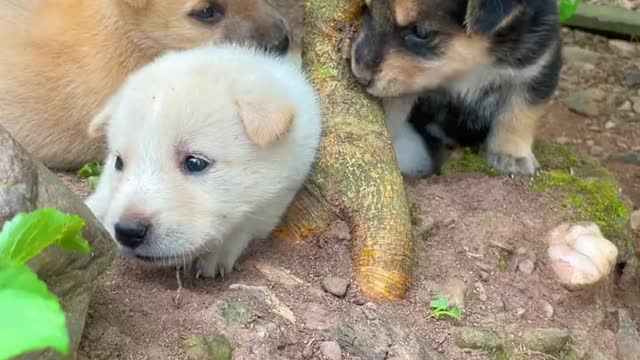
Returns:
<point x="441" y="308"/>
<point x="91" y="172"/>
<point x="567" y="9"/>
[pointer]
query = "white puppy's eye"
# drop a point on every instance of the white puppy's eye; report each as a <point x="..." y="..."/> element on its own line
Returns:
<point x="193" y="164"/>
<point x="119" y="165"/>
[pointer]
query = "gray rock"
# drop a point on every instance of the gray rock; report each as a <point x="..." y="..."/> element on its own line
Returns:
<point x="632" y="79"/>
<point x="636" y="104"/>
<point x="635" y="220"/>
<point x="626" y="106"/>
<point x="335" y="286"/>
<point x="547" y="309"/>
<point x="316" y="317"/>
<point x="385" y="338"/>
<point x="26" y="185"/>
<point x="330" y="350"/>
<point x="597" y="355"/>
<point x="236" y="314"/>
<point x="622" y="47"/>
<point x="583" y="103"/>
<point x="526" y="266"/>
<point x="575" y="54"/>
<point x="456" y="291"/>
<point x="474" y="338"/>
<point x="547" y="341"/>
<point x="215" y="347"/>
<point x="627" y="338"/>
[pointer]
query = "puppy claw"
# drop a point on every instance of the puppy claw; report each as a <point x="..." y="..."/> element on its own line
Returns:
<point x="510" y="165"/>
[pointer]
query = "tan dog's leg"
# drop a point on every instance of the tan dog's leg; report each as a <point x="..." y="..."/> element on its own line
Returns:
<point x="509" y="147"/>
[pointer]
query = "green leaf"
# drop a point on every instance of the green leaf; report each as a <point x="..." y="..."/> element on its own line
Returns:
<point x="441" y="303"/>
<point x="27" y="234"/>
<point x="568" y="8"/>
<point x="93" y="181"/>
<point x="456" y="313"/>
<point x="31" y="317"/>
<point x="90" y="170"/>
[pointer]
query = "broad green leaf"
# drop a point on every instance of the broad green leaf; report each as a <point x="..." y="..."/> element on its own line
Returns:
<point x="456" y="313"/>
<point x="567" y="9"/>
<point x="441" y="303"/>
<point x="27" y="234"/>
<point x="90" y="170"/>
<point x="31" y="317"/>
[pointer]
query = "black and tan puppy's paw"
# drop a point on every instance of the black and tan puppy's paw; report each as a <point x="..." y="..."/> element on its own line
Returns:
<point x="512" y="165"/>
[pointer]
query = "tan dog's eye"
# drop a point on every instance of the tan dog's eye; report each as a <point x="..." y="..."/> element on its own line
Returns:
<point x="209" y="15"/>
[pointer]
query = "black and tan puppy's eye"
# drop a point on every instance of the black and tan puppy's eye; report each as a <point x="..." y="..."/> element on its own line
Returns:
<point x="210" y="14"/>
<point x="417" y="35"/>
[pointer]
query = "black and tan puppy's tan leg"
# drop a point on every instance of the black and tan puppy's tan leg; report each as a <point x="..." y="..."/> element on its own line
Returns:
<point x="510" y="142"/>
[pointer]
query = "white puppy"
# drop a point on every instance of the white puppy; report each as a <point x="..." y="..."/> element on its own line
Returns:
<point x="207" y="148"/>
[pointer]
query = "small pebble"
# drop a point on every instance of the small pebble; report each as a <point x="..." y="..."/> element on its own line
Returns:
<point x="526" y="266"/>
<point x="635" y="220"/>
<point x="547" y="309"/>
<point x="609" y="125"/>
<point x="482" y="293"/>
<point x="626" y="106"/>
<point x="330" y="350"/>
<point x="335" y="286"/>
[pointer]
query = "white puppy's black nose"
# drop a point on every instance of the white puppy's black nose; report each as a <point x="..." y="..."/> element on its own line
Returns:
<point x="131" y="234"/>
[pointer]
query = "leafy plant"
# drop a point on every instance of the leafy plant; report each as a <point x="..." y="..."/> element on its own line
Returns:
<point x="91" y="171"/>
<point x="441" y="308"/>
<point x="568" y="8"/>
<point x="31" y="317"/>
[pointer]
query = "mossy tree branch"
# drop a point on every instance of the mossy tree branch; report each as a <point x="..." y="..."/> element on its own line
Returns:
<point x="356" y="178"/>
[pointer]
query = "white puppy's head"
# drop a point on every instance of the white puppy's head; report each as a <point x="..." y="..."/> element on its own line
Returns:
<point x="199" y="141"/>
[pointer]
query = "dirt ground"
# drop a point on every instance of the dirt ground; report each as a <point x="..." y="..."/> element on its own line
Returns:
<point x="274" y="306"/>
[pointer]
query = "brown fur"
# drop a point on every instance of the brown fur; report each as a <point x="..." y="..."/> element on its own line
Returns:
<point x="405" y="12"/>
<point x="64" y="60"/>
<point x="253" y="112"/>
<point x="401" y="73"/>
<point x="514" y="133"/>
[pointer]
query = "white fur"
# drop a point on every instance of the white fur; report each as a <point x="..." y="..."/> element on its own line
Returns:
<point x="412" y="155"/>
<point x="182" y="104"/>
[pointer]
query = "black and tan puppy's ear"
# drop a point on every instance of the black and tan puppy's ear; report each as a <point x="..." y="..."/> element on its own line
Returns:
<point x="265" y="120"/>
<point x="485" y="17"/>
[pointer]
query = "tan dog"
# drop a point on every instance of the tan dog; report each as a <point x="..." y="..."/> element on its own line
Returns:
<point x="61" y="59"/>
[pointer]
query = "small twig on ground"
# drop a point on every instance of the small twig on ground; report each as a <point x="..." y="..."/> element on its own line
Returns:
<point x="177" y="298"/>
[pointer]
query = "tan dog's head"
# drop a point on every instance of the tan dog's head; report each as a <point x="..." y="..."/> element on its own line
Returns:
<point x="182" y="24"/>
<point x="198" y="146"/>
<point x="407" y="46"/>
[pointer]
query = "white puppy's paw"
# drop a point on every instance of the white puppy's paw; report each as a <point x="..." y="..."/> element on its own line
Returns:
<point x="207" y="266"/>
<point x="510" y="165"/>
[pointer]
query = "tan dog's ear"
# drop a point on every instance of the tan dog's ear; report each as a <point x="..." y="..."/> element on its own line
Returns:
<point x="100" y="120"/>
<point x="265" y="120"/>
<point x="137" y="3"/>
<point x="485" y="17"/>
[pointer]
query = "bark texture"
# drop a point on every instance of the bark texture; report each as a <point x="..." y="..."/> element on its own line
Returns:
<point x="356" y="178"/>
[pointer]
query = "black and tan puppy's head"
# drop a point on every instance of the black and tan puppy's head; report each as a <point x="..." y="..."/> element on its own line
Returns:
<point x="182" y="24"/>
<point x="407" y="46"/>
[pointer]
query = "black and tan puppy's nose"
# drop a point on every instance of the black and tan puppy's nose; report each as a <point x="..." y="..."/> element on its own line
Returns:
<point x="131" y="234"/>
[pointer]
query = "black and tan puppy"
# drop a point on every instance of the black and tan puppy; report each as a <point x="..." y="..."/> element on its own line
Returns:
<point x="473" y="73"/>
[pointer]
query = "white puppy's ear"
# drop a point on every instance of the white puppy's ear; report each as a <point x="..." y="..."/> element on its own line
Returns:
<point x="100" y="120"/>
<point x="265" y="119"/>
